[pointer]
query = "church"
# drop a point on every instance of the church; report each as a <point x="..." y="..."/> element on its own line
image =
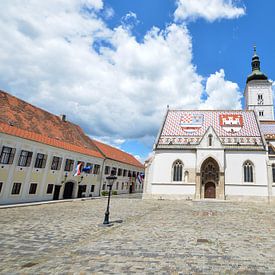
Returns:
<point x="217" y="154"/>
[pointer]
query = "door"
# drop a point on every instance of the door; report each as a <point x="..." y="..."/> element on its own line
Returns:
<point x="81" y="189"/>
<point x="210" y="190"/>
<point x="68" y="190"/>
<point x="56" y="192"/>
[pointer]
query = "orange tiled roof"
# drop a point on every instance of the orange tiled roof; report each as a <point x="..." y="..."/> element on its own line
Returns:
<point x="116" y="154"/>
<point x="14" y="131"/>
<point x="25" y="116"/>
<point x="21" y="119"/>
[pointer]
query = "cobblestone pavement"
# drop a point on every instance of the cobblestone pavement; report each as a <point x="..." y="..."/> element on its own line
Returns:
<point x="156" y="237"/>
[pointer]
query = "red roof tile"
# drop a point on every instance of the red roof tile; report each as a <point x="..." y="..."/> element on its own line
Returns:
<point x="116" y="154"/>
<point x="21" y="119"/>
<point x="14" y="131"/>
<point x="27" y="117"/>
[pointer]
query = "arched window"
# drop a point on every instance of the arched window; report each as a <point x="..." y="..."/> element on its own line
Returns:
<point x="210" y="139"/>
<point x="186" y="176"/>
<point x="248" y="171"/>
<point x="177" y="170"/>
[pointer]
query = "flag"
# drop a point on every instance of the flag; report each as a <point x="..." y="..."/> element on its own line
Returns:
<point x="78" y="169"/>
<point x="140" y="177"/>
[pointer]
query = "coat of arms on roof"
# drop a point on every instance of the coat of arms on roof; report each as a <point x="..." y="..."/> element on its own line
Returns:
<point x="232" y="123"/>
<point x="191" y="122"/>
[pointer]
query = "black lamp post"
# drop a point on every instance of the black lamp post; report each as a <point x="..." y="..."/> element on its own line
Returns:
<point x="110" y="180"/>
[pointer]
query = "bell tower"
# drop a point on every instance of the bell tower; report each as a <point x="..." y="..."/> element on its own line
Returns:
<point x="258" y="91"/>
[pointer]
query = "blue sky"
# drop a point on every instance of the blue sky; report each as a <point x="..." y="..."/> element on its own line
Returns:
<point x="112" y="66"/>
<point x="223" y="44"/>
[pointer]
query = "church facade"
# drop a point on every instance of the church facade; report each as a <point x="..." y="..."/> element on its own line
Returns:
<point x="220" y="154"/>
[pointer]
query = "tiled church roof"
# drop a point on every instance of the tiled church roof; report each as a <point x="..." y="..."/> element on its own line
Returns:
<point x="268" y="128"/>
<point x="187" y="127"/>
<point x="21" y="119"/>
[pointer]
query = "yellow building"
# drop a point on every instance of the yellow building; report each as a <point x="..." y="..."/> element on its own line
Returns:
<point x="40" y="154"/>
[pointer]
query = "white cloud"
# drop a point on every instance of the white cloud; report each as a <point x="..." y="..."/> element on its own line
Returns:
<point x="208" y="9"/>
<point x="129" y="20"/>
<point x="222" y="94"/>
<point x="62" y="57"/>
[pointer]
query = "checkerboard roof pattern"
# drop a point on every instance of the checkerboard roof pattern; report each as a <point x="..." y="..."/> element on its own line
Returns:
<point x="176" y="120"/>
<point x="268" y="129"/>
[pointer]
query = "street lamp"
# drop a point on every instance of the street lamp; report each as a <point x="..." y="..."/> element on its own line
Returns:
<point x="110" y="180"/>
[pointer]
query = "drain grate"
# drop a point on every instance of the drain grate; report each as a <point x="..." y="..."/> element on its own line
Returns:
<point x="28" y="265"/>
<point x="202" y="241"/>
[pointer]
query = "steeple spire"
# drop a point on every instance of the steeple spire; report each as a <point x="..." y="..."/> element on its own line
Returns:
<point x="254" y="47"/>
<point x="256" y="70"/>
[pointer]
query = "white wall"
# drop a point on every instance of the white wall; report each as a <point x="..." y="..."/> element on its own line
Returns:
<point x="44" y="176"/>
<point x="163" y="161"/>
<point x="234" y="167"/>
<point x="264" y="87"/>
<point x="121" y="180"/>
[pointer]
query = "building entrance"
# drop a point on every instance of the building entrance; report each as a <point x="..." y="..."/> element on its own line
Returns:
<point x="68" y="190"/>
<point x="209" y="178"/>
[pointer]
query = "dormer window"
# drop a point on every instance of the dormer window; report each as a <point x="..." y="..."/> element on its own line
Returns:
<point x="210" y="140"/>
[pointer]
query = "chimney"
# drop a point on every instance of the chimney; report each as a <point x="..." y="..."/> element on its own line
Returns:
<point x="62" y="117"/>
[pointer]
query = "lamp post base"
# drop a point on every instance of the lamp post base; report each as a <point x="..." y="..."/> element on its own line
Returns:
<point x="105" y="224"/>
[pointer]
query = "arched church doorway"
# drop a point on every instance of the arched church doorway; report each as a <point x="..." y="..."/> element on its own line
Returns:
<point x="210" y="190"/>
<point x="68" y="190"/>
<point x="209" y="178"/>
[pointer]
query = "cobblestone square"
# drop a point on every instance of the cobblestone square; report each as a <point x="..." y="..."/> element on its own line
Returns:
<point x="156" y="237"/>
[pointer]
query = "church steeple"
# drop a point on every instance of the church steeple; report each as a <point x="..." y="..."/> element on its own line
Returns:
<point x="258" y="91"/>
<point x="256" y="70"/>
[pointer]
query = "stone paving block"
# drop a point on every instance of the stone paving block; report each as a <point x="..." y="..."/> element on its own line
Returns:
<point x="155" y="237"/>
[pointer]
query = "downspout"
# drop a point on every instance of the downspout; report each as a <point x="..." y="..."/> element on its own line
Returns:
<point x="101" y="177"/>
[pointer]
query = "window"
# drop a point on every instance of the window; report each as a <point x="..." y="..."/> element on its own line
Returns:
<point x="40" y="161"/>
<point x="88" y="168"/>
<point x="117" y="185"/>
<point x="122" y="186"/>
<point x="177" y="170"/>
<point x="186" y="176"/>
<point x="92" y="188"/>
<point x="134" y="174"/>
<point x="114" y="170"/>
<point x="261" y="113"/>
<point x="25" y="158"/>
<point x="210" y="139"/>
<point x="107" y="170"/>
<point x="50" y="189"/>
<point x="124" y="173"/>
<point x="69" y="165"/>
<point x="56" y="163"/>
<point x="273" y="172"/>
<point x="260" y="99"/>
<point x="129" y="174"/>
<point x="33" y="188"/>
<point x="1" y="185"/>
<point x="103" y="186"/>
<point x="96" y="169"/>
<point x="16" y="188"/>
<point x="248" y="171"/>
<point x="7" y="155"/>
<point x="119" y="172"/>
